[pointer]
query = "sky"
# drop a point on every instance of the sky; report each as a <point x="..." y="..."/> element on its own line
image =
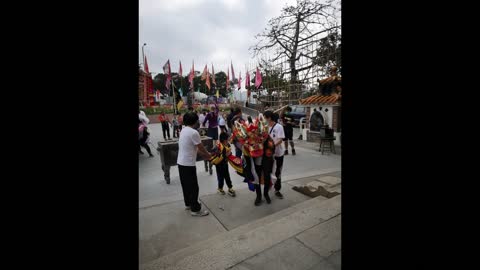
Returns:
<point x="205" y="31"/>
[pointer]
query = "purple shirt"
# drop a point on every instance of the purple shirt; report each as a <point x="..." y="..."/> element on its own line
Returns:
<point x="212" y="118"/>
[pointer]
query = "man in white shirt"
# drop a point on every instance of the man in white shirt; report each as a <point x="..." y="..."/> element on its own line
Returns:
<point x="188" y="145"/>
<point x="277" y="134"/>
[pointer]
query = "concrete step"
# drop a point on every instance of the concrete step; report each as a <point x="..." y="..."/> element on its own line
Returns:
<point x="232" y="247"/>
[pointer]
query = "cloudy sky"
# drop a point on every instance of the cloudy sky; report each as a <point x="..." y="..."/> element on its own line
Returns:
<point x="206" y="31"/>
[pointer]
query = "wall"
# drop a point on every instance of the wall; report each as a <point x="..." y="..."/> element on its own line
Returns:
<point x="314" y="137"/>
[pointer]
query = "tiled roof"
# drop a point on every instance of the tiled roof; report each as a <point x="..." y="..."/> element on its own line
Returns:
<point x="320" y="100"/>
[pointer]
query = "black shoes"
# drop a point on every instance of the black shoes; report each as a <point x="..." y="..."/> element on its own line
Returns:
<point x="293" y="152"/>
<point x="258" y="201"/>
<point x="278" y="194"/>
<point x="267" y="198"/>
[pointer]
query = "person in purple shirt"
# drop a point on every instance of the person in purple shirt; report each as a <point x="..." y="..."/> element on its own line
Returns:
<point x="212" y="118"/>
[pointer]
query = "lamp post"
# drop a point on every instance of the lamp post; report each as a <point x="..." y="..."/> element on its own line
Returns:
<point x="144" y="87"/>
<point x="143" y="55"/>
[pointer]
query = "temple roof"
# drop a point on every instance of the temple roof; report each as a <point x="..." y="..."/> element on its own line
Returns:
<point x="333" y="99"/>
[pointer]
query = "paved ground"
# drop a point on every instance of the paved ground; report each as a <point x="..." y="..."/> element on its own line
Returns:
<point x="165" y="227"/>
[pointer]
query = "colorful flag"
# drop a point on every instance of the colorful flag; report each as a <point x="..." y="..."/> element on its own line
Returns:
<point x="240" y="81"/>
<point x="146" y="65"/>
<point x="233" y="73"/>
<point x="204" y="74"/>
<point x="213" y="76"/>
<point x="167" y="72"/>
<point x="147" y="82"/>
<point x="180" y="70"/>
<point x="180" y="104"/>
<point x="258" y="78"/>
<point x="192" y="76"/>
<point x="207" y="82"/>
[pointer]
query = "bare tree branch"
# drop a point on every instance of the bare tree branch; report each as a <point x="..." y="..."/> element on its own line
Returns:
<point x="323" y="31"/>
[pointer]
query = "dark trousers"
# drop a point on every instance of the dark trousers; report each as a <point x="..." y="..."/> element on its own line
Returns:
<point x="145" y="145"/>
<point x="223" y="175"/>
<point x="189" y="181"/>
<point x="208" y="165"/>
<point x="278" y="172"/>
<point x="166" y="130"/>
<point x="238" y="152"/>
<point x="176" y="132"/>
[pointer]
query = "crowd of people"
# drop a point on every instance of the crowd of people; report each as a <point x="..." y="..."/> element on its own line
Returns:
<point x="265" y="168"/>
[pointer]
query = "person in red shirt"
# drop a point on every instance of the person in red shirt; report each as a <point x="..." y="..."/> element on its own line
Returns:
<point x="165" y="125"/>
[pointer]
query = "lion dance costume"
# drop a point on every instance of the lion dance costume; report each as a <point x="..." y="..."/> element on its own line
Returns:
<point x="257" y="160"/>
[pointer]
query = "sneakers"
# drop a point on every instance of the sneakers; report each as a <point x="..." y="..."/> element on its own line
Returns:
<point x="187" y="208"/>
<point x="293" y="152"/>
<point x="199" y="213"/>
<point x="285" y="153"/>
<point x="278" y="194"/>
<point x="231" y="192"/>
<point x="221" y="191"/>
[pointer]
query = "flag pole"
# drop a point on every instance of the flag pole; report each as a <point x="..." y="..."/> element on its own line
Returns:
<point x="173" y="91"/>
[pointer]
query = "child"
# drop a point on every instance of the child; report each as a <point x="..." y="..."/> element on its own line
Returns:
<point x="143" y="136"/>
<point x="175" y="126"/>
<point x="221" y="164"/>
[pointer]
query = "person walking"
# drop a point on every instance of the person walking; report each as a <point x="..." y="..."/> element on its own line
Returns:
<point x="176" y="133"/>
<point x="165" y="125"/>
<point x="143" y="136"/>
<point x="277" y="134"/>
<point x="221" y="123"/>
<point x="237" y="116"/>
<point x="221" y="165"/>
<point x="212" y="119"/>
<point x="189" y="144"/>
<point x="288" y="129"/>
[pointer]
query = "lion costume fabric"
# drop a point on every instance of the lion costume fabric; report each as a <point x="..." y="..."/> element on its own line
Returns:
<point x="257" y="148"/>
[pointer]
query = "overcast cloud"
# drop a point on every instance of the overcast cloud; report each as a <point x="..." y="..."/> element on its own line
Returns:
<point x="206" y="31"/>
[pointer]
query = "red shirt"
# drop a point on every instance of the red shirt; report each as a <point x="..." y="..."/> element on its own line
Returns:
<point x="163" y="118"/>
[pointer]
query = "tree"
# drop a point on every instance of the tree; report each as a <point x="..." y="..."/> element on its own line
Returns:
<point x="295" y="29"/>
<point x="329" y="52"/>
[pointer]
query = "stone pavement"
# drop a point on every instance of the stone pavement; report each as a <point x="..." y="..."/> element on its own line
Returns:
<point x="166" y="228"/>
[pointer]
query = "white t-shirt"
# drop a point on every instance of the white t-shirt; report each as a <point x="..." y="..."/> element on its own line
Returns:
<point x="201" y="118"/>
<point x="142" y="117"/>
<point x="221" y="121"/>
<point x="277" y="134"/>
<point x="187" y="146"/>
